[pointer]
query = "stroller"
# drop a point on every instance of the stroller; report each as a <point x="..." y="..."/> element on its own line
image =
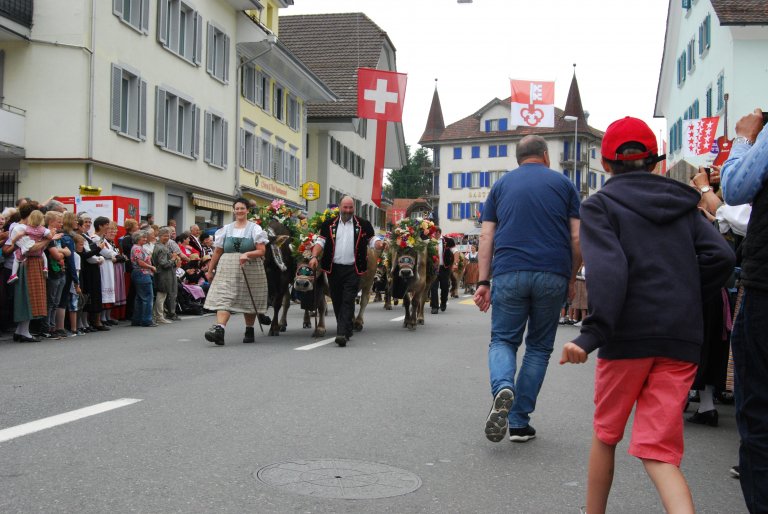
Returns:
<point x="188" y="300"/>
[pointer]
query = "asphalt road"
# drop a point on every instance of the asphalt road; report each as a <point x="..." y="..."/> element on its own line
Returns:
<point x="214" y="425"/>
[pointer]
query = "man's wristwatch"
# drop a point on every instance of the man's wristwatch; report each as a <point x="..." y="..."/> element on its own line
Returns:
<point x="742" y="140"/>
<point x="705" y="189"/>
<point x="486" y="283"/>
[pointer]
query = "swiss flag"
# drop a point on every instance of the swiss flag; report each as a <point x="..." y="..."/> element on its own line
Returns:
<point x="380" y="94"/>
<point x="699" y="134"/>
<point x="532" y="103"/>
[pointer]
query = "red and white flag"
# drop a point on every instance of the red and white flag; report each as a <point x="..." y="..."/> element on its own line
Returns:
<point x="699" y="134"/>
<point x="380" y="94"/>
<point x="533" y="103"/>
<point x="380" y="97"/>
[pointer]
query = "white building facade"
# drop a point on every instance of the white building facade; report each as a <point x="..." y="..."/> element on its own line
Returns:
<point x="469" y="156"/>
<point x="135" y="97"/>
<point x="713" y="48"/>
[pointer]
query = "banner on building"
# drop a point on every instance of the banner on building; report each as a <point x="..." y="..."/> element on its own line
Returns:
<point x="699" y="135"/>
<point x="533" y="103"/>
<point x="380" y="97"/>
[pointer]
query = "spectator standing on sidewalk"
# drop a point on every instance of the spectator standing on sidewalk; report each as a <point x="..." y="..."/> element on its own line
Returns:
<point x="743" y="181"/>
<point x="531" y="232"/>
<point x="165" y="278"/>
<point x="645" y="310"/>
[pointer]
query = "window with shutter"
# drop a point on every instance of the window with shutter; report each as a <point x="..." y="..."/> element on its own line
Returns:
<point x="127" y="103"/>
<point x="475" y="152"/>
<point x="177" y="126"/>
<point x="503" y="124"/>
<point x="457" y="152"/>
<point x="134" y="13"/>
<point x="502" y="150"/>
<point x="217" y="63"/>
<point x="180" y="29"/>
<point x="493" y="150"/>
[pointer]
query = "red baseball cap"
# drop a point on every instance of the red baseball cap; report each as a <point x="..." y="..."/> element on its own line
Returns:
<point x="628" y="130"/>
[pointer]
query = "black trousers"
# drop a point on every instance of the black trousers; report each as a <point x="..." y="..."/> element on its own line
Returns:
<point x="444" y="283"/>
<point x="343" y="284"/>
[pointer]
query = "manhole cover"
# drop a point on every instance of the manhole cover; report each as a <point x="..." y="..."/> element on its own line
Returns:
<point x="339" y="478"/>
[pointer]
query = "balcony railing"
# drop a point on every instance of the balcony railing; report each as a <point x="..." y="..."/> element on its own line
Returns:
<point x="583" y="157"/>
<point x="19" y="11"/>
<point x="12" y="125"/>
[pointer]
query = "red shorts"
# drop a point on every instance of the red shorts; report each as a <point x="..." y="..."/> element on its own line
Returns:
<point x="659" y="386"/>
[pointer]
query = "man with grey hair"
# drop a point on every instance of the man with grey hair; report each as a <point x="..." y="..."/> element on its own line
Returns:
<point x="343" y="243"/>
<point x="530" y="232"/>
<point x="194" y="239"/>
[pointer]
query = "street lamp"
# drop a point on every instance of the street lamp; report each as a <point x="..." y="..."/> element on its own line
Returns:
<point x="575" y="147"/>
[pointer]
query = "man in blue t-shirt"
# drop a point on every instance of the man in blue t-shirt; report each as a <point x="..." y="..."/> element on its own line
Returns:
<point x="531" y="232"/>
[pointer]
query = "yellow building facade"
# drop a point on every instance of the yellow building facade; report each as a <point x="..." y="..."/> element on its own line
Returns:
<point x="274" y="89"/>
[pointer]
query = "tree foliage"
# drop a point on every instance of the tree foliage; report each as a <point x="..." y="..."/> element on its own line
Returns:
<point x="413" y="180"/>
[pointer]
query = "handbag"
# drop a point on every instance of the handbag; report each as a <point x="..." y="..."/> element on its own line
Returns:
<point x="83" y="299"/>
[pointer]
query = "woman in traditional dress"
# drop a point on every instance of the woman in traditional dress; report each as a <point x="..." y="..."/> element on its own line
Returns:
<point x="240" y="283"/>
<point x="30" y="297"/>
<point x="107" y="269"/>
<point x="90" y="275"/>
<point x="121" y="291"/>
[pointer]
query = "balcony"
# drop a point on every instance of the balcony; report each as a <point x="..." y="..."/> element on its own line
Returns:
<point x="15" y="19"/>
<point x="568" y="159"/>
<point x="12" y="126"/>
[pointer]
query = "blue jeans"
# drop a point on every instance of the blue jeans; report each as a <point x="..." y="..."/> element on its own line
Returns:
<point x="142" y="307"/>
<point x="749" y="342"/>
<point x="521" y="298"/>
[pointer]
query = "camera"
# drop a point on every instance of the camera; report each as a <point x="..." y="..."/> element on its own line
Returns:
<point x="708" y="170"/>
<point x="765" y="118"/>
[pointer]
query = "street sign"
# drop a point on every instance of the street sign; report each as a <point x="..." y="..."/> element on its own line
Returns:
<point x="310" y="191"/>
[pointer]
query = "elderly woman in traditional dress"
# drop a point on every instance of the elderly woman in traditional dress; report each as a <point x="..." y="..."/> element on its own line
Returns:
<point x="240" y="283"/>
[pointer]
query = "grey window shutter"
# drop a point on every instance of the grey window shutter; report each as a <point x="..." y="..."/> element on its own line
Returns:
<point x="160" y="120"/>
<point x="210" y="50"/>
<point x="225" y="137"/>
<point x="208" y="137"/>
<point x="143" y="110"/>
<point x="145" y="16"/>
<point x="226" y="59"/>
<point x="162" y="22"/>
<point x="117" y="82"/>
<point x="256" y="145"/>
<point x="241" y="146"/>
<point x="117" y="7"/>
<point x="267" y="87"/>
<point x="275" y="155"/>
<point x="195" y="131"/>
<point x="198" y="39"/>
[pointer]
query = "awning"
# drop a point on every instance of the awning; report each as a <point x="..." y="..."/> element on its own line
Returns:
<point x="209" y="202"/>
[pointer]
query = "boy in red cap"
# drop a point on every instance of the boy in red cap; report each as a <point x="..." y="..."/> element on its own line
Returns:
<point x="650" y="256"/>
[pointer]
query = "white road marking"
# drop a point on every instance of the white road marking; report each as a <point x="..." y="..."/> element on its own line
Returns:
<point x="41" y="424"/>
<point x="399" y="318"/>
<point x="316" y="345"/>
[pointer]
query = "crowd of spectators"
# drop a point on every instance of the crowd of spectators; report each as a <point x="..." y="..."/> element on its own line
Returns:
<point x="67" y="274"/>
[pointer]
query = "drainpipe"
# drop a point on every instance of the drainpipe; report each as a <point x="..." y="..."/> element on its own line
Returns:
<point x="272" y="40"/>
<point x="91" y="100"/>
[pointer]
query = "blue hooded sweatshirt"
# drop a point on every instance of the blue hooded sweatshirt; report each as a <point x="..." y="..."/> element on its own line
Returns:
<point x="651" y="258"/>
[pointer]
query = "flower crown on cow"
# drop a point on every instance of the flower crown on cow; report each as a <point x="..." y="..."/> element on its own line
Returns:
<point x="413" y="233"/>
<point x="305" y="243"/>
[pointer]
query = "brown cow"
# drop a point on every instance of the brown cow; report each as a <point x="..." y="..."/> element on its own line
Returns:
<point x="366" y="285"/>
<point x="410" y="282"/>
<point x="457" y="272"/>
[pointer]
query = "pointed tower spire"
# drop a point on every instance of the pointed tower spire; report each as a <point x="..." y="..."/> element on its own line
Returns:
<point x="573" y="105"/>
<point x="435" y="122"/>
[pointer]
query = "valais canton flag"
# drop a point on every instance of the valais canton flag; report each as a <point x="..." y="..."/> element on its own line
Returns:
<point x="699" y="135"/>
<point x="533" y="103"/>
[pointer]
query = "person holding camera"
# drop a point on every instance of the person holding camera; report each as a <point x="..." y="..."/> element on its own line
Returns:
<point x="743" y="181"/>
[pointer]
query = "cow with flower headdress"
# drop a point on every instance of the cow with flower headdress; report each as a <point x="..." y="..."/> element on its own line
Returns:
<point x="414" y="256"/>
<point x="278" y="220"/>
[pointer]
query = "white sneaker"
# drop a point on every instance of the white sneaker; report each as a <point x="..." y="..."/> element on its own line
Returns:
<point x="163" y="320"/>
<point x="577" y="324"/>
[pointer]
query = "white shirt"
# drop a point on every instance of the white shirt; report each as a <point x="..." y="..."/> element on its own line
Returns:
<point x="345" y="242"/>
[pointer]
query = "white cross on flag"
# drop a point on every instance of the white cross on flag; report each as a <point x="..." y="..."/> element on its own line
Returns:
<point x="533" y="103"/>
<point x="698" y="136"/>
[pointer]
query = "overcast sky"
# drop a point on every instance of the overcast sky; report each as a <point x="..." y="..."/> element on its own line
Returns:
<point x="474" y="49"/>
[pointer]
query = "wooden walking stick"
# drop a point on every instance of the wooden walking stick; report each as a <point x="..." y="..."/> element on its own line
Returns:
<point x="253" y="302"/>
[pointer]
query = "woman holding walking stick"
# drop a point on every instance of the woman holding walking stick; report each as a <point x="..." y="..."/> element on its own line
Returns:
<point x="236" y="274"/>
